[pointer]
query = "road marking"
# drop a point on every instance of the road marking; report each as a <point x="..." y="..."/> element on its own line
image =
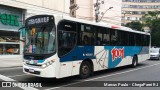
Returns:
<point x="123" y="72"/>
<point x="17" y="75"/>
<point x="10" y="80"/>
<point x="10" y="68"/>
<point x="103" y="76"/>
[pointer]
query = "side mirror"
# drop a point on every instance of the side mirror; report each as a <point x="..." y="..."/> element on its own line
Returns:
<point x="20" y="28"/>
<point x="22" y="40"/>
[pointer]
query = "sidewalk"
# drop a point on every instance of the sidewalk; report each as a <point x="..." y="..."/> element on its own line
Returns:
<point x="11" y="61"/>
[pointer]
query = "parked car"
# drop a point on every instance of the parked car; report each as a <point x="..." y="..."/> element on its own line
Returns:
<point x="155" y="53"/>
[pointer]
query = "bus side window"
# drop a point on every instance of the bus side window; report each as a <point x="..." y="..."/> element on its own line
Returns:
<point x="86" y="34"/>
<point x="102" y="36"/>
<point x="132" y="39"/>
<point x="124" y="38"/>
<point x="86" y="40"/>
<point x="66" y="42"/>
<point x="98" y="41"/>
<point x="99" y="36"/>
<point x="66" y="37"/>
<point x="106" y="39"/>
<point x="114" y="37"/>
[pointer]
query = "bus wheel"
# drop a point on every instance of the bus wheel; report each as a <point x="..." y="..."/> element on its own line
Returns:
<point x="134" y="62"/>
<point x="85" y="70"/>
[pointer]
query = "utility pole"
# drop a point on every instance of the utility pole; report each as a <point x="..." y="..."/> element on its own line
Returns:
<point x="97" y="6"/>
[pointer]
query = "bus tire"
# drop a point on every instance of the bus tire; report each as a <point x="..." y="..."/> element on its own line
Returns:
<point x="85" y="70"/>
<point x="134" y="62"/>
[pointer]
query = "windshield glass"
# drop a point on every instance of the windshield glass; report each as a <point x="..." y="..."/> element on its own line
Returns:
<point x="40" y="40"/>
<point x="155" y="51"/>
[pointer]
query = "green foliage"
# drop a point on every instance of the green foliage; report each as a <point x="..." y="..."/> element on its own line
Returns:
<point x="152" y="20"/>
<point x="135" y="25"/>
<point x="155" y="38"/>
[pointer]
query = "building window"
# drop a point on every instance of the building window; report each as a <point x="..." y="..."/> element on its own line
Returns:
<point x="128" y="18"/>
<point x="9" y="42"/>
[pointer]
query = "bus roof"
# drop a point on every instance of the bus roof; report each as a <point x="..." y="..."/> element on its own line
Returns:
<point x="103" y="24"/>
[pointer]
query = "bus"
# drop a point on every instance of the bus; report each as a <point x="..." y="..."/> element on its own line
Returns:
<point x="59" y="46"/>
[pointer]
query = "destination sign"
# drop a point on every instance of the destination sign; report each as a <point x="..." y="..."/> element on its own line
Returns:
<point x="36" y="20"/>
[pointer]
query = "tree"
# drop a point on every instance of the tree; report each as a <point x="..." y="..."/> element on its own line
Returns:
<point x="152" y="20"/>
<point x="135" y="25"/>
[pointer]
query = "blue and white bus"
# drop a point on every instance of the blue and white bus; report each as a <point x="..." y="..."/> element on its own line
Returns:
<point x="58" y="46"/>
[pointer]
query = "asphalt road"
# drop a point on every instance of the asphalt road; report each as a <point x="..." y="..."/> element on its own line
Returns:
<point x="146" y="71"/>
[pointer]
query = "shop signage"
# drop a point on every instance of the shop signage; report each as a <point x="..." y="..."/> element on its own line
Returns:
<point x="9" y="19"/>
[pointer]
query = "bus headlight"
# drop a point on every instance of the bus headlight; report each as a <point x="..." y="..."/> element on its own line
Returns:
<point x="44" y="65"/>
<point x="25" y="62"/>
<point x="47" y="63"/>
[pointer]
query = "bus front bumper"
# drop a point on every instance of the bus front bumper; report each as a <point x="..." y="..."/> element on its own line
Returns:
<point x="48" y="72"/>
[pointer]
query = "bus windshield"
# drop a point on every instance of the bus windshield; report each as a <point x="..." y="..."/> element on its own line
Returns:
<point x="40" y="40"/>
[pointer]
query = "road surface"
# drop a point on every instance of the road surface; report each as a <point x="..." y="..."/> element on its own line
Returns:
<point x="148" y="70"/>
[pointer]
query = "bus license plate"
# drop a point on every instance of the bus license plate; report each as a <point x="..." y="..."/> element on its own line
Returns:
<point x="31" y="70"/>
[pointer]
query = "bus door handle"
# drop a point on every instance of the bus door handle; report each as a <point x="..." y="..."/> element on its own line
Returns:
<point x="74" y="57"/>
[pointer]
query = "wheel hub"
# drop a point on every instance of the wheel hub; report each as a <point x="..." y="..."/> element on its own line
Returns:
<point x="85" y="69"/>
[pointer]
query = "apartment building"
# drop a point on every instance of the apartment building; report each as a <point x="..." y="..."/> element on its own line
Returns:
<point x="133" y="10"/>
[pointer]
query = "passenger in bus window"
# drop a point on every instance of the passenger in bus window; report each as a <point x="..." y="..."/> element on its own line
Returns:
<point x="105" y="42"/>
<point x="85" y="40"/>
<point x="98" y="41"/>
<point x="92" y="40"/>
<point x="113" y="40"/>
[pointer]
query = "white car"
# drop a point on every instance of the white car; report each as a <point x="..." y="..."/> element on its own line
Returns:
<point x="155" y="53"/>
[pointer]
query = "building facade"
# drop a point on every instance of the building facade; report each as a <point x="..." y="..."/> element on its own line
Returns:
<point x="11" y="19"/>
<point x="14" y="12"/>
<point x="12" y="16"/>
<point x="133" y="10"/>
<point x="110" y="10"/>
<point x="85" y="8"/>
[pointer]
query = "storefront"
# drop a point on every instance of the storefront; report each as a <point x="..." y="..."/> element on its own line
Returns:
<point x="11" y="19"/>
